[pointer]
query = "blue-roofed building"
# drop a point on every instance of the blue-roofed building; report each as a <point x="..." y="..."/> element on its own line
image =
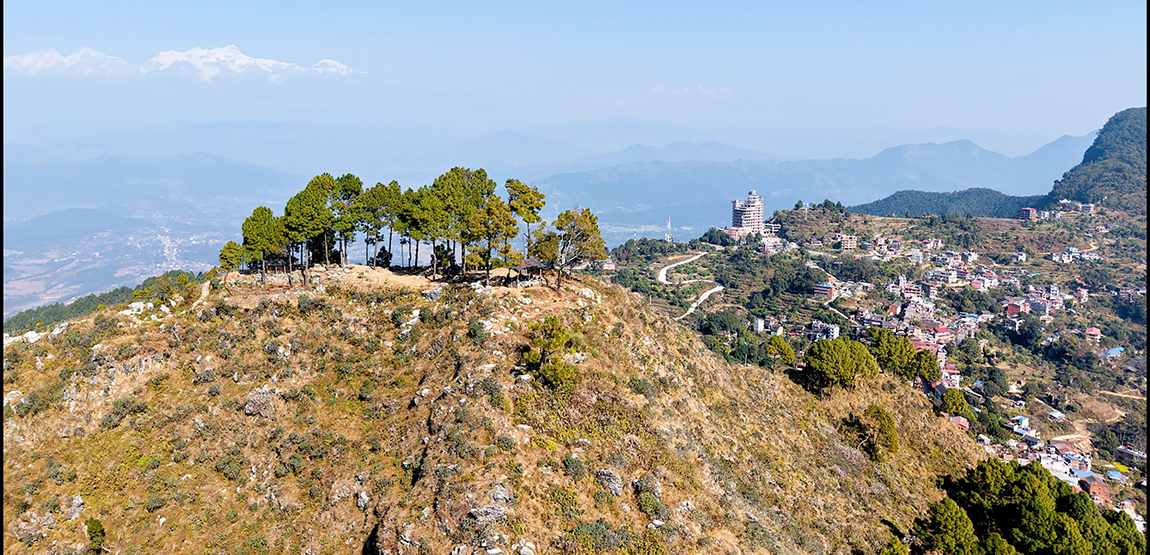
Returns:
<point x="1114" y="475"/>
<point x="1114" y="352"/>
<point x="1056" y="415"/>
<point x="1083" y="474"/>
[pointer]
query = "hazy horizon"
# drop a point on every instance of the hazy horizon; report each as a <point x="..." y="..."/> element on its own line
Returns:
<point x="596" y="76"/>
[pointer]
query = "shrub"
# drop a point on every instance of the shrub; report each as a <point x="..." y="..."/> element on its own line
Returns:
<point x="573" y="466"/>
<point x="95" y="534"/>
<point x="214" y="390"/>
<point x="505" y="443"/>
<point x="155" y="503"/>
<point x="308" y="304"/>
<point x="233" y="464"/>
<point x="559" y="375"/>
<point x="597" y="536"/>
<point x="51" y="505"/>
<point x="650" y="505"/>
<point x="756" y="535"/>
<point x="475" y="331"/>
<point x="232" y="515"/>
<point x="207" y="375"/>
<point x="58" y="473"/>
<point x="642" y="387"/>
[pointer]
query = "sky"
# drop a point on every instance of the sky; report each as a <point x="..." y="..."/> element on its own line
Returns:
<point x="791" y="79"/>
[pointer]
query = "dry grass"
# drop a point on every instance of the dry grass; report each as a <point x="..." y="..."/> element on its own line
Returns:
<point x="732" y="442"/>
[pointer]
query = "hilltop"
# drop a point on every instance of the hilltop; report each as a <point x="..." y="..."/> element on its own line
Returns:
<point x="1113" y="169"/>
<point x="384" y="413"/>
<point x="979" y="202"/>
<point x="1112" y="174"/>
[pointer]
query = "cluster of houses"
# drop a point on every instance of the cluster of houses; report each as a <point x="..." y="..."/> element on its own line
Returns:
<point x="1069" y="460"/>
<point x="1071" y="254"/>
<point x="1033" y="214"/>
<point x="1042" y="301"/>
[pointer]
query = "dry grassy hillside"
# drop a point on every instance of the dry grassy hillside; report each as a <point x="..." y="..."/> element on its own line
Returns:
<point x="335" y="420"/>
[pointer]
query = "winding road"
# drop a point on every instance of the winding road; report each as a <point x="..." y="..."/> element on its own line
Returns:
<point x="662" y="278"/>
<point x="663" y="273"/>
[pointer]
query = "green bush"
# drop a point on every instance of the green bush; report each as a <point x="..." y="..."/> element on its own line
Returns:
<point x="475" y="331"/>
<point x="573" y="466"/>
<point x="756" y="535"/>
<point x="233" y="464"/>
<point x="95" y="534"/>
<point x="650" y="505"/>
<point x="559" y="375"/>
<point x="155" y="503"/>
<point x="505" y="443"/>
<point x="52" y="505"/>
<point x="58" y="473"/>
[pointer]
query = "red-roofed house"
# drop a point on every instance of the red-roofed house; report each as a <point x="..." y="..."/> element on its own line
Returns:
<point x="962" y="422"/>
<point x="943" y="335"/>
<point x="1093" y="334"/>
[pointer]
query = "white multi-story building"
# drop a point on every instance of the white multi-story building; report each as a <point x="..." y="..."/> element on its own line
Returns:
<point x="748" y="215"/>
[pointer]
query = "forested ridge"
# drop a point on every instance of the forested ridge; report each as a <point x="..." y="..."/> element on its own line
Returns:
<point x="1112" y="174"/>
<point x="977" y="201"/>
<point x="1113" y="170"/>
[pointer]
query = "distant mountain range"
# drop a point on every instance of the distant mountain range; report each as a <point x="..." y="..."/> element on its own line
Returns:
<point x="80" y="219"/>
<point x="1112" y="173"/>
<point x="696" y="194"/>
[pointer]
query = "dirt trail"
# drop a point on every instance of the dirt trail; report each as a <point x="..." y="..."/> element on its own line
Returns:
<point x="1143" y="397"/>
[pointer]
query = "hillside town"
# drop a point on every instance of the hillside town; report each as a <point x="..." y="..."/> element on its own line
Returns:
<point x="915" y="315"/>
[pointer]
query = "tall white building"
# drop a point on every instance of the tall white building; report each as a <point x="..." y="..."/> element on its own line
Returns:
<point x="748" y="215"/>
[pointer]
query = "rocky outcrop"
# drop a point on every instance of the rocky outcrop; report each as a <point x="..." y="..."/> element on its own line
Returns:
<point x="609" y="481"/>
<point x="262" y="402"/>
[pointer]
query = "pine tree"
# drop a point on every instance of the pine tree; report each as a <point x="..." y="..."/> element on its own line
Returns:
<point x="947" y="529"/>
<point x="491" y="229"/>
<point x="232" y="256"/>
<point x="263" y="236"/>
<point x="575" y="239"/>
<point x="345" y="217"/>
<point x="525" y="202"/>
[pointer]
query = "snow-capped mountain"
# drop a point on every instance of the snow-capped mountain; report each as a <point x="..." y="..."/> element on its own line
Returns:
<point x="201" y="63"/>
<point x="84" y="61"/>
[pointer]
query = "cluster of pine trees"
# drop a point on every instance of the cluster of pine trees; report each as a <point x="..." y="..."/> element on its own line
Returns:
<point x="1002" y="508"/>
<point x="459" y="214"/>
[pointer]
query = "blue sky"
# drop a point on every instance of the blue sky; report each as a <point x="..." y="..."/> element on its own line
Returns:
<point x="796" y="79"/>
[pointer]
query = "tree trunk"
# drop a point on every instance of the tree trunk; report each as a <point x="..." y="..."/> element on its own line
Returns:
<point x="263" y="270"/>
<point x="326" y="258"/>
<point x="366" y="251"/>
<point x="389" y="234"/>
<point x="417" y="255"/>
<point x="434" y="261"/>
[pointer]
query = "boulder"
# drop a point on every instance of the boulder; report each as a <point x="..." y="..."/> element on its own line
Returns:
<point x="362" y="500"/>
<point x="433" y="294"/>
<point x="261" y="402"/>
<point x="488" y="514"/>
<point x="73" y="508"/>
<point x="499" y="494"/>
<point x="609" y="481"/>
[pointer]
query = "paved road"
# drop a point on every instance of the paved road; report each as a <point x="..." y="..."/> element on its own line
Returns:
<point x="663" y="273"/>
<point x="662" y="278"/>
<point x="700" y="300"/>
